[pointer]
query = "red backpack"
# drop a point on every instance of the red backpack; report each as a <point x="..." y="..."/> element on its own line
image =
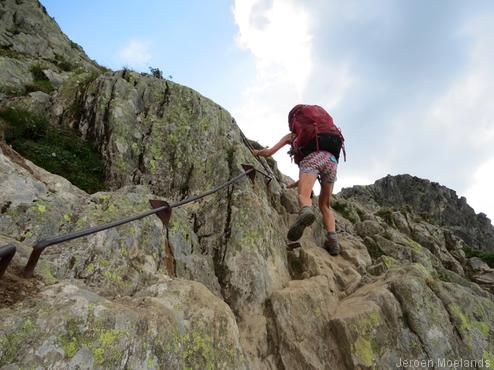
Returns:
<point x="315" y="131"/>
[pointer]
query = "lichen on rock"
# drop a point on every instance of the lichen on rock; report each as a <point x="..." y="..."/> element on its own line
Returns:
<point x="217" y="287"/>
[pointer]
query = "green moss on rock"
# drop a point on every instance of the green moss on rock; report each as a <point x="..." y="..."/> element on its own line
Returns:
<point x="101" y="341"/>
<point x="365" y="346"/>
<point x="347" y="209"/>
<point x="364" y="352"/>
<point x="11" y="344"/>
<point x="198" y="350"/>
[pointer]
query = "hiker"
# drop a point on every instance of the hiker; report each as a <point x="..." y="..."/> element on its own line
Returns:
<point x="315" y="146"/>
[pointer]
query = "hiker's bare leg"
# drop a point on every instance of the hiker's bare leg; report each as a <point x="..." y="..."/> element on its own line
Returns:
<point x="306" y="214"/>
<point x="305" y="184"/>
<point x="325" y="206"/>
<point x="331" y="243"/>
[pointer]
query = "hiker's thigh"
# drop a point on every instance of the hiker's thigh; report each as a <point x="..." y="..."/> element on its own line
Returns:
<point x="325" y="195"/>
<point x="306" y="182"/>
<point x="328" y="170"/>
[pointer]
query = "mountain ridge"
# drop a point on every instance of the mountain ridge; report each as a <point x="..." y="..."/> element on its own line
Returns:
<point x="442" y="205"/>
<point x="217" y="288"/>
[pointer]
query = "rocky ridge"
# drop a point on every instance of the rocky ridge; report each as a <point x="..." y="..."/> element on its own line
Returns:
<point x="217" y="289"/>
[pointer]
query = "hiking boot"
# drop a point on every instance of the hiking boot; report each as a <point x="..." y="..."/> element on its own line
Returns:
<point x="331" y="244"/>
<point x="305" y="218"/>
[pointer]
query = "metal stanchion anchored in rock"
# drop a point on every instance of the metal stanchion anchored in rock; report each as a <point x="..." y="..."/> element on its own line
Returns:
<point x="159" y="207"/>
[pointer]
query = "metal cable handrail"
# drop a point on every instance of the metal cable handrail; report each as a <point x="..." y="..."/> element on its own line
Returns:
<point x="266" y="166"/>
<point x="161" y="208"/>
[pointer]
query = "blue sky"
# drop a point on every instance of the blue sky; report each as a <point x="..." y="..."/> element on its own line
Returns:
<point x="409" y="82"/>
<point x="193" y="41"/>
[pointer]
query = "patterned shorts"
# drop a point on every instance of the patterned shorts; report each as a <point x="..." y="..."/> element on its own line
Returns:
<point x="321" y="164"/>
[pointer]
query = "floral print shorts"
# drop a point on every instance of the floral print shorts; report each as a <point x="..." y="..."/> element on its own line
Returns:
<point x="321" y="164"/>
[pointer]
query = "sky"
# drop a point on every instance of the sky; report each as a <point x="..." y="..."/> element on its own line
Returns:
<point x="410" y="83"/>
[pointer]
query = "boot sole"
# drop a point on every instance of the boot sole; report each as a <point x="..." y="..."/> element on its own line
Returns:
<point x="297" y="230"/>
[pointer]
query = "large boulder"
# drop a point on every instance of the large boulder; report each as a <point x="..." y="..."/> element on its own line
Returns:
<point x="173" y="324"/>
<point x="216" y="288"/>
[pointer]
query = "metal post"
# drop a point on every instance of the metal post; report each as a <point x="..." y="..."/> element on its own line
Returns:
<point x="161" y="208"/>
<point x="6" y="254"/>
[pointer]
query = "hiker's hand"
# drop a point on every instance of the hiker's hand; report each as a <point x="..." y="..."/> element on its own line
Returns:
<point x="292" y="185"/>
<point x="262" y="152"/>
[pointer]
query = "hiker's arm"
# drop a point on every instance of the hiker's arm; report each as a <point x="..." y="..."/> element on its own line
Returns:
<point x="267" y="152"/>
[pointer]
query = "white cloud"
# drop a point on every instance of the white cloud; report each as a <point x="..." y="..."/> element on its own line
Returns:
<point x="465" y="115"/>
<point x="278" y="35"/>
<point x="135" y="53"/>
<point x="347" y="59"/>
<point x="479" y="195"/>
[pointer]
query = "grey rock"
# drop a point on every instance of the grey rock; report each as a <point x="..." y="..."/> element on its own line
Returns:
<point x="55" y="78"/>
<point x="368" y="228"/>
<point x="28" y="31"/>
<point x="171" y="324"/>
<point x="477" y="264"/>
<point x="14" y="76"/>
<point x="217" y="287"/>
<point x="441" y="205"/>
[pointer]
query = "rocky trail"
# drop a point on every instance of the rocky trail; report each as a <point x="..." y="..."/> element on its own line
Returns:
<point x="217" y="288"/>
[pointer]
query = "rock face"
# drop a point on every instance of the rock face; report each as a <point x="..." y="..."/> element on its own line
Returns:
<point x="217" y="289"/>
<point x="29" y="37"/>
<point x="437" y="203"/>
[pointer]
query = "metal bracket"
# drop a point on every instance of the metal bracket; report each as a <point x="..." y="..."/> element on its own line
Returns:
<point x="252" y="173"/>
<point x="163" y="214"/>
<point x="159" y="207"/>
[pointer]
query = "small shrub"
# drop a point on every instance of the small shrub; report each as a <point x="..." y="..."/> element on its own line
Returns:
<point x="38" y="73"/>
<point x="156" y="72"/>
<point x="63" y="63"/>
<point x="44" y="86"/>
<point x="41" y="82"/>
<point x="386" y="214"/>
<point x="73" y="45"/>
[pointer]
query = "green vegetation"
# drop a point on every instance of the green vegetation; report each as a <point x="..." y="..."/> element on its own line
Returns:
<point x="386" y="214"/>
<point x="41" y="82"/>
<point x="156" y="72"/>
<point x="58" y="150"/>
<point x="347" y="209"/>
<point x="487" y="257"/>
<point x="373" y="248"/>
<point x="11" y="342"/>
<point x="101" y="341"/>
<point x="63" y="63"/>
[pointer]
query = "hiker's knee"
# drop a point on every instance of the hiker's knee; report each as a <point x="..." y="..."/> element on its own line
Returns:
<point x="324" y="200"/>
<point x="324" y="206"/>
